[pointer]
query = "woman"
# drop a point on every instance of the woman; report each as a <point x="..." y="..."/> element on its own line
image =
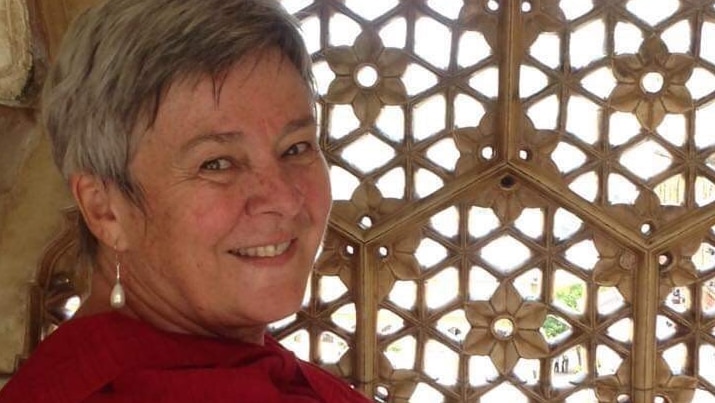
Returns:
<point x="186" y="131"/>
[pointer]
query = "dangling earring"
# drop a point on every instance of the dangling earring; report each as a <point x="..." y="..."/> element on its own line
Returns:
<point x="116" y="298"/>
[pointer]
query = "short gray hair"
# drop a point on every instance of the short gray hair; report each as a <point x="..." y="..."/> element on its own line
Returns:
<point x="119" y="57"/>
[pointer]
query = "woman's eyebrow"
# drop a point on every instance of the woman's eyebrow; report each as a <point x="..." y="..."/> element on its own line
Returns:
<point x="298" y="124"/>
<point x="221" y="138"/>
<point x="234" y="136"/>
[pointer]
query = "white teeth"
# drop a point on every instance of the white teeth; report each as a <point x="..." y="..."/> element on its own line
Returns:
<point x="265" y="251"/>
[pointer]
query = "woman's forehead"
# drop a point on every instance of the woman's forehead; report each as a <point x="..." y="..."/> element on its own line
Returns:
<point x="266" y="90"/>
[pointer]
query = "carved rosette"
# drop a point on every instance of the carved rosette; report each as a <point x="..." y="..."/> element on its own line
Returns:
<point x="650" y="106"/>
<point x="506" y="328"/>
<point x="367" y="52"/>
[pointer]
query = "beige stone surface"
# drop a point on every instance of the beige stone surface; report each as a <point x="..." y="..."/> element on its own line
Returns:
<point x="31" y="191"/>
<point x="15" y="50"/>
<point x="56" y="15"/>
<point x="29" y="217"/>
<point x="15" y="141"/>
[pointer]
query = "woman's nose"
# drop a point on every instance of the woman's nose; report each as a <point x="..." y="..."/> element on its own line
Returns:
<point x="274" y="191"/>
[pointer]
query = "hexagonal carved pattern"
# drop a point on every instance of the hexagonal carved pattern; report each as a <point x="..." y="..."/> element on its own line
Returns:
<point x="523" y="200"/>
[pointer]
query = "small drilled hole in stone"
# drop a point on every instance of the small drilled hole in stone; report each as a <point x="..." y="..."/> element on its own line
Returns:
<point x="487" y="153"/>
<point x="652" y="82"/>
<point x="525" y="154"/>
<point x="507" y="182"/>
<point x="383" y="251"/>
<point x="367" y="76"/>
<point x="366" y="222"/>
<point x="349" y="250"/>
<point x="665" y="260"/>
<point x="526" y="6"/>
<point x="647" y="228"/>
<point x="503" y="328"/>
<point x="492" y="5"/>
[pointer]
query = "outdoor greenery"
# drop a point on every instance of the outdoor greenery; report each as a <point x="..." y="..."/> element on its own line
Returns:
<point x="571" y="296"/>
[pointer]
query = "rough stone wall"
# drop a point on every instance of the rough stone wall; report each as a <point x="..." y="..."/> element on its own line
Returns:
<point x="32" y="193"/>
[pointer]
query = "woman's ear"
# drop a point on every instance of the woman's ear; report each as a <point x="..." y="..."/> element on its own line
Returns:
<point x="99" y="205"/>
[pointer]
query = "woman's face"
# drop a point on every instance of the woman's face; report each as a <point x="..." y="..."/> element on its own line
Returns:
<point x="237" y="196"/>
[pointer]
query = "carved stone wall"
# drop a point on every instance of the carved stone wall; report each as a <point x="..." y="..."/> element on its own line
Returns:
<point x="15" y="50"/>
<point x="30" y="216"/>
<point x="32" y="194"/>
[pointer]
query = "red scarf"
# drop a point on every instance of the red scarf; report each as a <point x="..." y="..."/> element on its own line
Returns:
<point x="112" y="358"/>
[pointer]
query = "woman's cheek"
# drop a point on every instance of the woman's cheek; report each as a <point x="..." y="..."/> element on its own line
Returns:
<point x="213" y="212"/>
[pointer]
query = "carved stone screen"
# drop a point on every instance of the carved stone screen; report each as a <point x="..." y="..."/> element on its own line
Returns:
<point x="524" y="200"/>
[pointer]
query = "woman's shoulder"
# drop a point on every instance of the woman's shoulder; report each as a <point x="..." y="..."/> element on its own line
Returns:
<point x="61" y="364"/>
<point x="108" y="353"/>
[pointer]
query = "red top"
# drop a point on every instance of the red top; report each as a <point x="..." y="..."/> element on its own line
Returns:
<point x="112" y="358"/>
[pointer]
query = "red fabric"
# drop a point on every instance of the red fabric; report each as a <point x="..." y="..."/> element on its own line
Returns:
<point x="111" y="358"/>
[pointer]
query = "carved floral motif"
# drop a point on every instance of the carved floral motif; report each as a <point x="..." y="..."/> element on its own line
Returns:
<point x="367" y="52"/>
<point x="541" y="16"/>
<point x="505" y="349"/>
<point x="674" y="388"/>
<point x="650" y="107"/>
<point x="537" y="146"/>
<point x="507" y="198"/>
<point x="647" y="214"/>
<point x="337" y="258"/>
<point x="401" y="260"/>
<point x="368" y="204"/>
<point x="677" y="268"/>
<point x="615" y="268"/>
<point x="476" y="145"/>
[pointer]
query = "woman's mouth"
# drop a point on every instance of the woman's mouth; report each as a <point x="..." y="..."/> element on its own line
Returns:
<point x="263" y="251"/>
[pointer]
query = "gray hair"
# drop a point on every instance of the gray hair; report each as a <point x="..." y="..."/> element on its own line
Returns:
<point x="119" y="58"/>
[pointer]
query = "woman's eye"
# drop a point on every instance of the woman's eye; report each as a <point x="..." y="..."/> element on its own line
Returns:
<point x="218" y="164"/>
<point x="298" y="148"/>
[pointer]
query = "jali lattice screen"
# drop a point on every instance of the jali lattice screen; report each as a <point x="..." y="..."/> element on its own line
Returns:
<point x="523" y="199"/>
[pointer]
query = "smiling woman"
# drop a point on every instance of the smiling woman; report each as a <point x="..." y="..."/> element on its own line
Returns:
<point x="187" y="135"/>
<point x="226" y="186"/>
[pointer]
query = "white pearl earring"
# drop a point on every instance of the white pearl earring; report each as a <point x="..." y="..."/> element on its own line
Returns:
<point x="116" y="298"/>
